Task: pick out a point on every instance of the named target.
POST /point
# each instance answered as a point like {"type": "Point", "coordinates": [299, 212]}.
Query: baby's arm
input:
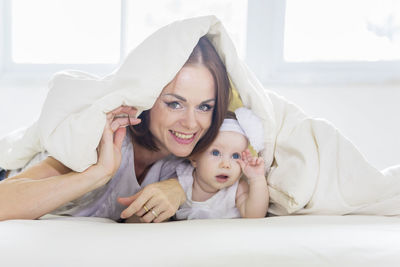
{"type": "Point", "coordinates": [252, 198]}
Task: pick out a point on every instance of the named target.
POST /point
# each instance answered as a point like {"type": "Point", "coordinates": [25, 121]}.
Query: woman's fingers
{"type": "Point", "coordinates": [130, 111]}
{"type": "Point", "coordinates": [119, 122]}
{"type": "Point", "coordinates": [122, 117]}
{"type": "Point", "coordinates": [126, 201]}
{"type": "Point", "coordinates": [109, 148]}
{"type": "Point", "coordinates": [156, 202]}
{"type": "Point", "coordinates": [119, 137]}
{"type": "Point", "coordinates": [162, 217]}
{"type": "Point", "coordinates": [137, 204]}
{"type": "Point", "coordinates": [156, 214]}
{"type": "Point", "coordinates": [150, 204]}
{"type": "Point", "coordinates": [151, 210]}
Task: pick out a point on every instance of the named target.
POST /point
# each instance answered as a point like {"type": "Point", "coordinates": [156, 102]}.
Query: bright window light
{"type": "Point", "coordinates": [65, 31]}
{"type": "Point", "coordinates": [342, 30]}
{"type": "Point", "coordinates": [143, 18]}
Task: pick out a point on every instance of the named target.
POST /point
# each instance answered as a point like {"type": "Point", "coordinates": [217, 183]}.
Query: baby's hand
{"type": "Point", "coordinates": [252, 167]}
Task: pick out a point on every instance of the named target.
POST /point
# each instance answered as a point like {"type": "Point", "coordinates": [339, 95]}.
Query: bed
{"type": "Point", "coordinates": [273, 241]}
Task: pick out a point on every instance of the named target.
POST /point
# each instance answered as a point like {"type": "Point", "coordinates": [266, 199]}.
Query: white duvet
{"type": "Point", "coordinates": [313, 168]}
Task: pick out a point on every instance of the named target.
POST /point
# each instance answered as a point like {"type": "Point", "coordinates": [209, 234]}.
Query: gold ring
{"type": "Point", "coordinates": [154, 213]}
{"type": "Point", "coordinates": [145, 208]}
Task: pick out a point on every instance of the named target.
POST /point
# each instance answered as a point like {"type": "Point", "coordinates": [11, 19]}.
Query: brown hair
{"type": "Point", "coordinates": [203, 54]}
{"type": "Point", "coordinates": [230, 115]}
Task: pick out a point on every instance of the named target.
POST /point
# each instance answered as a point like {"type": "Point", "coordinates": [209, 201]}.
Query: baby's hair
{"type": "Point", "coordinates": [230, 115]}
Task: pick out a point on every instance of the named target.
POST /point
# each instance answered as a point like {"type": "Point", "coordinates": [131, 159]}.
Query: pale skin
{"type": "Point", "coordinates": [252, 198]}
{"type": "Point", "coordinates": [49, 184]}
{"type": "Point", "coordinates": [222, 164]}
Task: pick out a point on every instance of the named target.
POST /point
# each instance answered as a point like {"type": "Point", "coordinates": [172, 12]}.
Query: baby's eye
{"type": "Point", "coordinates": [205, 107]}
{"type": "Point", "coordinates": [215, 152]}
{"type": "Point", "coordinates": [173, 105]}
{"type": "Point", "coordinates": [236, 156]}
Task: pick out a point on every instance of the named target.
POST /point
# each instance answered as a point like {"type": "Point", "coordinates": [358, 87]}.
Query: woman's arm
{"type": "Point", "coordinates": [49, 184]}
{"type": "Point", "coordinates": [43, 188]}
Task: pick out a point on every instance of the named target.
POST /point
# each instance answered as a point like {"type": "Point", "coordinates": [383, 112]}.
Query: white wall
{"type": "Point", "coordinates": [20, 104]}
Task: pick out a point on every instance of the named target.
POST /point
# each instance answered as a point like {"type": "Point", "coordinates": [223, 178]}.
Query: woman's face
{"type": "Point", "coordinates": [183, 112]}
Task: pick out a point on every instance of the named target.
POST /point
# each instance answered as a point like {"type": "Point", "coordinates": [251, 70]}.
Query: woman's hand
{"type": "Point", "coordinates": [156, 202]}
{"type": "Point", "coordinates": [109, 149]}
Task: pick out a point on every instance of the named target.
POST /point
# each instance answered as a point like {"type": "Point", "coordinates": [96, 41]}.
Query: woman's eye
{"type": "Point", "coordinates": [173, 105]}
{"type": "Point", "coordinates": [236, 156]}
{"type": "Point", "coordinates": [205, 107]}
{"type": "Point", "coordinates": [215, 153]}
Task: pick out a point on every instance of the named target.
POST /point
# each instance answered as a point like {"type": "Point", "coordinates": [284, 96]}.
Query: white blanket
{"type": "Point", "coordinates": [313, 168]}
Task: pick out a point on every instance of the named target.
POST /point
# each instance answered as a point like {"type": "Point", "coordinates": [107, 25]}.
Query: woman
{"type": "Point", "coordinates": [184, 119]}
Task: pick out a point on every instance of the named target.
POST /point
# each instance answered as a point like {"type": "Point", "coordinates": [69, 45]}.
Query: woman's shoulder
{"type": "Point", "coordinates": [166, 168]}
{"type": "Point", "coordinates": [172, 163]}
{"type": "Point", "coordinates": [184, 168]}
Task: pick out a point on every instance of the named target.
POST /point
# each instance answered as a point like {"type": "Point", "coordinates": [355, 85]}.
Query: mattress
{"type": "Point", "coordinates": [273, 241]}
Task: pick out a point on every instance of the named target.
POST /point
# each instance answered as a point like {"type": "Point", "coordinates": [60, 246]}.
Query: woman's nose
{"type": "Point", "coordinates": [189, 121]}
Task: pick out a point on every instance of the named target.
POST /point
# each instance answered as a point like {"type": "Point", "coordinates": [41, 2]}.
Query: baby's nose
{"type": "Point", "coordinates": [225, 163]}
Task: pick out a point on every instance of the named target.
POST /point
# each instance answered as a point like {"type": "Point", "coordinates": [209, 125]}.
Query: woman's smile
{"type": "Point", "coordinates": [183, 138]}
{"type": "Point", "coordinates": [183, 112]}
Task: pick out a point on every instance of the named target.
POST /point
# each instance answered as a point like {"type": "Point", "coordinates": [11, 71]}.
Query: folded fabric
{"type": "Point", "coordinates": [312, 167]}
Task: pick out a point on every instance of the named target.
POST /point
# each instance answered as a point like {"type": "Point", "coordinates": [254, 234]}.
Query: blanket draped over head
{"type": "Point", "coordinates": [312, 168]}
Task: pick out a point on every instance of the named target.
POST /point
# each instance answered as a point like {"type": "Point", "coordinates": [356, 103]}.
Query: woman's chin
{"type": "Point", "coordinates": [182, 152]}
{"type": "Point", "coordinates": [181, 148]}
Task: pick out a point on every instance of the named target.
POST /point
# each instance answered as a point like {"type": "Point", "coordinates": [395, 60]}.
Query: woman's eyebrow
{"type": "Point", "coordinates": [209, 100]}
{"type": "Point", "coordinates": [184, 99]}
{"type": "Point", "coordinates": [177, 96]}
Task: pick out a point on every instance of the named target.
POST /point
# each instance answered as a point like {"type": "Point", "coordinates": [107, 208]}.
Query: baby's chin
{"type": "Point", "coordinates": [225, 184]}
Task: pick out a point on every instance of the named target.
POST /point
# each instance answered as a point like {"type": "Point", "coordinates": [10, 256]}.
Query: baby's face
{"type": "Point", "coordinates": [217, 167]}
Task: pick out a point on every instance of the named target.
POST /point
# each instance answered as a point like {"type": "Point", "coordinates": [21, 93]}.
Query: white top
{"type": "Point", "coordinates": [220, 206]}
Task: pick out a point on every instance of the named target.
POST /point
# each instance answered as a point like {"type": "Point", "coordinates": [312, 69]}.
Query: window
{"type": "Point", "coordinates": [283, 41]}
{"type": "Point", "coordinates": [57, 32]}
{"type": "Point", "coordinates": [342, 30]}
{"type": "Point", "coordinates": [95, 35]}
{"type": "Point", "coordinates": [143, 18]}
{"type": "Point", "coordinates": [325, 41]}
{"type": "Point", "coordinates": [50, 35]}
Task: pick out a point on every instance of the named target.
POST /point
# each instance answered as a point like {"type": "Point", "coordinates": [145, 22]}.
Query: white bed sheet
{"type": "Point", "coordinates": [273, 241]}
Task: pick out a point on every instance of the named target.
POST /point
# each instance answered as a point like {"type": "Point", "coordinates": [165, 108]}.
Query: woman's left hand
{"type": "Point", "coordinates": [156, 202]}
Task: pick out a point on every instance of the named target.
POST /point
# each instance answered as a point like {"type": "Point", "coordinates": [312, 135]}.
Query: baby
{"type": "Point", "coordinates": [211, 179]}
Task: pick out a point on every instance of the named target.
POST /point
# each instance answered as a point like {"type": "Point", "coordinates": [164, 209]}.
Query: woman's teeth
{"type": "Point", "coordinates": [183, 136]}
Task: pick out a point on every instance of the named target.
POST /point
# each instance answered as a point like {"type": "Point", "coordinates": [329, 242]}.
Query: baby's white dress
{"type": "Point", "coordinates": [221, 205]}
